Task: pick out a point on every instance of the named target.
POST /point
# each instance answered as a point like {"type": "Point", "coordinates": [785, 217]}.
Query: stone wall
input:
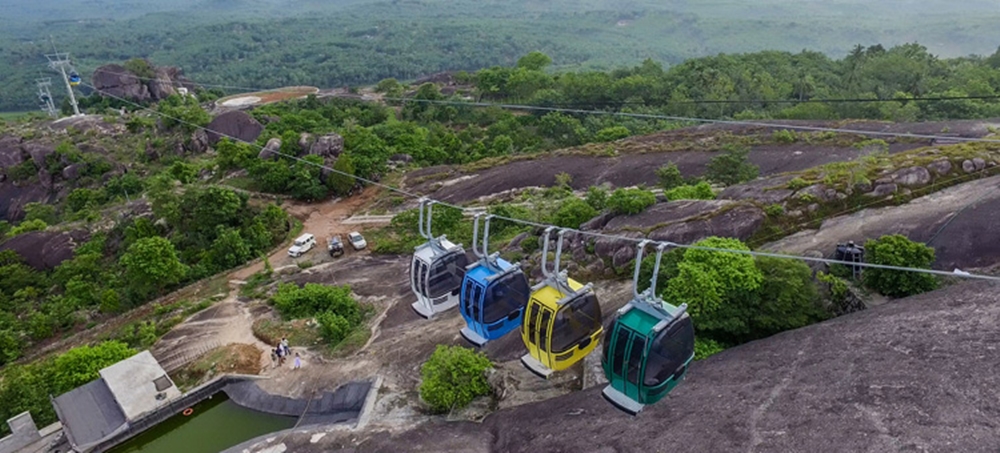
{"type": "Point", "coordinates": [24, 433]}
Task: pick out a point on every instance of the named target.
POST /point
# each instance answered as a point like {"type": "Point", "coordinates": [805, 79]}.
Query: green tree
{"type": "Point", "coordinates": [573, 213]}
{"type": "Point", "coordinates": [788, 298]}
{"type": "Point", "coordinates": [630, 201]}
{"type": "Point", "coordinates": [229, 249]}
{"type": "Point", "coordinates": [534, 61]}
{"type": "Point", "coordinates": [731, 167]}
{"type": "Point", "coordinates": [41, 211]}
{"type": "Point", "coordinates": [669, 176]}
{"type": "Point", "coordinates": [333, 327]}
{"type": "Point", "coordinates": [453, 377]}
{"type": "Point", "coordinates": [715, 285]}
{"type": "Point", "coordinates": [341, 181]}
{"type": "Point", "coordinates": [898, 250]}
{"type": "Point", "coordinates": [80, 365]}
{"type": "Point", "coordinates": [597, 197]}
{"type": "Point", "coordinates": [151, 264]}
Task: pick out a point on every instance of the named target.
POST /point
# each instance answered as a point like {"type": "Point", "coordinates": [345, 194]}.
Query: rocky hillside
{"type": "Point", "coordinates": [139, 81]}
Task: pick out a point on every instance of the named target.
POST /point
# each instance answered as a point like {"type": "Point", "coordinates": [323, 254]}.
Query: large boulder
{"type": "Point", "coordinates": [328, 146]}
{"type": "Point", "coordinates": [236, 124]}
{"type": "Point", "coordinates": [72, 171]}
{"type": "Point", "coordinates": [162, 86]}
{"type": "Point", "coordinates": [269, 152]}
{"type": "Point", "coordinates": [912, 176]}
{"type": "Point", "coordinates": [44, 250]}
{"type": "Point", "coordinates": [115, 80]}
{"type": "Point", "coordinates": [11, 154]}
{"type": "Point", "coordinates": [39, 153]}
{"type": "Point", "coordinates": [198, 142]}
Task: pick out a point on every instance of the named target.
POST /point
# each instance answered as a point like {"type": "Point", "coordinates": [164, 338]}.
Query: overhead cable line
{"type": "Point", "coordinates": [577, 231]}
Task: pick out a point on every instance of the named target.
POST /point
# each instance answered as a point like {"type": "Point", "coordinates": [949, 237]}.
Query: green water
{"type": "Point", "coordinates": [215, 425]}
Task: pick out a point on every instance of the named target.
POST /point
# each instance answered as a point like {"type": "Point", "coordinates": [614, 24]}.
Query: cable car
{"type": "Point", "coordinates": [648, 347]}
{"type": "Point", "coordinates": [494, 293]}
{"type": "Point", "coordinates": [562, 323]}
{"type": "Point", "coordinates": [437, 270]}
{"type": "Point", "coordinates": [74, 78]}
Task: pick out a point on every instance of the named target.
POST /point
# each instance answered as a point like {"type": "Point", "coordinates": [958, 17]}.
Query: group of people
{"type": "Point", "coordinates": [281, 351]}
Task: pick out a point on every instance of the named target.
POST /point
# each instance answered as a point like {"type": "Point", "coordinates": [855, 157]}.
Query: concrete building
{"type": "Point", "coordinates": [105, 407]}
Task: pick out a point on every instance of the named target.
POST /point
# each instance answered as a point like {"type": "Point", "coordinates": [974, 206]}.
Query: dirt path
{"type": "Point", "coordinates": [322, 220]}
{"type": "Point", "coordinates": [959, 222]}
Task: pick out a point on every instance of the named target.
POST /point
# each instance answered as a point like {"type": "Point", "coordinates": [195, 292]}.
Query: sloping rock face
{"type": "Point", "coordinates": [115, 80]}
{"type": "Point", "coordinates": [237, 124]}
{"type": "Point", "coordinates": [44, 250]}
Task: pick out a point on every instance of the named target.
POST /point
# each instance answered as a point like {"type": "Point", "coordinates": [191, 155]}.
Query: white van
{"type": "Point", "coordinates": [302, 245]}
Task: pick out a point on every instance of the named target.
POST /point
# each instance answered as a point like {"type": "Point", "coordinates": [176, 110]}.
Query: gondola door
{"type": "Point", "coordinates": [538, 322]}
{"type": "Point", "coordinates": [628, 360]}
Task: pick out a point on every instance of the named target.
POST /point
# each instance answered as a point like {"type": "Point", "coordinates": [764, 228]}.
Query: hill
{"type": "Point", "coordinates": [915, 374]}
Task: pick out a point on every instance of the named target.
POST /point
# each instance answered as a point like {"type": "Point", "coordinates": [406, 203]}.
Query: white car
{"type": "Point", "coordinates": [302, 245]}
{"type": "Point", "coordinates": [356, 240]}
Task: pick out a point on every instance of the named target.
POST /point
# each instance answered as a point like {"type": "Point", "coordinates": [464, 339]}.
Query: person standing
{"type": "Point", "coordinates": [284, 345]}
{"type": "Point", "coordinates": [298, 362]}
{"type": "Point", "coordinates": [281, 355]}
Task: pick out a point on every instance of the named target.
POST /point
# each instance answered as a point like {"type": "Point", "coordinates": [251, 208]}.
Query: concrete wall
{"type": "Point", "coordinates": [24, 433]}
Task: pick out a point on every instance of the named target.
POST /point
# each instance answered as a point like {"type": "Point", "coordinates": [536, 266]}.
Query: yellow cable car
{"type": "Point", "coordinates": [562, 323]}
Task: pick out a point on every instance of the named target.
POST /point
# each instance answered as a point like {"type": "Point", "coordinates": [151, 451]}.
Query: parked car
{"type": "Point", "coordinates": [335, 247]}
{"type": "Point", "coordinates": [302, 245]}
{"type": "Point", "coordinates": [357, 241]}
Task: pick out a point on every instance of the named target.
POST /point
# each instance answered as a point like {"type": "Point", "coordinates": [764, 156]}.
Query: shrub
{"type": "Point", "coordinates": [41, 211]}
{"type": "Point", "coordinates": [597, 197]}
{"type": "Point", "coordinates": [700, 191]}
{"type": "Point", "coordinates": [784, 136]}
{"type": "Point", "coordinates": [797, 183]}
{"type": "Point", "coordinates": [573, 213]}
{"type": "Point", "coordinates": [898, 250]}
{"type": "Point", "coordinates": [333, 327]}
{"type": "Point", "coordinates": [705, 347]}
{"type": "Point", "coordinates": [453, 377]}
{"type": "Point", "coordinates": [313, 299]}
{"type": "Point", "coordinates": [631, 201]}
{"type": "Point", "coordinates": [774, 210]}
{"type": "Point", "coordinates": [670, 176]}
{"type": "Point", "coordinates": [788, 298]}
{"type": "Point", "coordinates": [610, 134]}
{"type": "Point", "coordinates": [731, 167]}
{"type": "Point", "coordinates": [28, 225]}
{"type": "Point", "coordinates": [23, 171]}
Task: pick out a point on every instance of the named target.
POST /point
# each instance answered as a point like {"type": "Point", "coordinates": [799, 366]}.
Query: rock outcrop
{"type": "Point", "coordinates": [115, 80]}
{"type": "Point", "coordinates": [273, 146]}
{"type": "Point", "coordinates": [237, 124]}
{"type": "Point", "coordinates": [44, 250]}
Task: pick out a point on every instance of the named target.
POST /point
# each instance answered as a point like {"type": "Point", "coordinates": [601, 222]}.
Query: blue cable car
{"type": "Point", "coordinates": [74, 78]}
{"type": "Point", "coordinates": [437, 270]}
{"type": "Point", "coordinates": [494, 293]}
{"type": "Point", "coordinates": [649, 346]}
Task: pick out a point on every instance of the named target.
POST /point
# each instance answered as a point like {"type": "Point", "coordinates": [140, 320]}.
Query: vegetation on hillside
{"type": "Point", "coordinates": [452, 377]}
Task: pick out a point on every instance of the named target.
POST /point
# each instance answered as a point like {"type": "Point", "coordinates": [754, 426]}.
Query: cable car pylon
{"type": "Point", "coordinates": [649, 345]}
{"type": "Point", "coordinates": [494, 292]}
{"type": "Point", "coordinates": [437, 269]}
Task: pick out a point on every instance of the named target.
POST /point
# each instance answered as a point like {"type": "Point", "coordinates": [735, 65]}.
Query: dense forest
{"type": "Point", "coordinates": [269, 43]}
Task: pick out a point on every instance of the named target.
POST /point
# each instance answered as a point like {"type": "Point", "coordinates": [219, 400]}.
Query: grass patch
{"type": "Point", "coordinates": [300, 332]}
{"type": "Point", "coordinates": [229, 359]}
{"type": "Point", "coordinates": [352, 343]}
{"type": "Point", "coordinates": [242, 182]}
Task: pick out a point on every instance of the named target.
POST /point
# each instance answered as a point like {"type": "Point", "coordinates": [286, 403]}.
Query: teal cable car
{"type": "Point", "coordinates": [648, 347]}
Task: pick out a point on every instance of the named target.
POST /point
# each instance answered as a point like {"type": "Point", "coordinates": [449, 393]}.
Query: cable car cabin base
{"type": "Point", "coordinates": [473, 337]}
{"type": "Point", "coordinates": [536, 367]}
{"type": "Point", "coordinates": [619, 400]}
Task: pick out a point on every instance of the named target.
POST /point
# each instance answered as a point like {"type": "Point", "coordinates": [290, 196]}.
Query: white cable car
{"type": "Point", "coordinates": [437, 270]}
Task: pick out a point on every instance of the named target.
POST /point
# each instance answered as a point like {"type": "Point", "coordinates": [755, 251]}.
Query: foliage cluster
{"type": "Point", "coordinates": [452, 377]}
{"type": "Point", "coordinates": [336, 311]}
